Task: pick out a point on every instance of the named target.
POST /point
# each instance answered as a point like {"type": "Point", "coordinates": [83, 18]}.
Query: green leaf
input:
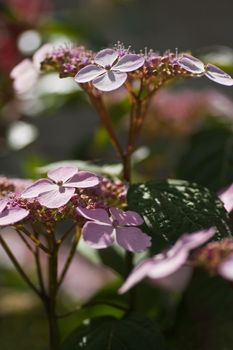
{"type": "Point", "coordinates": [173, 207]}
{"type": "Point", "coordinates": [134, 332]}
{"type": "Point", "coordinates": [209, 159]}
{"type": "Point", "coordinates": [107, 169]}
{"type": "Point", "coordinates": [204, 319]}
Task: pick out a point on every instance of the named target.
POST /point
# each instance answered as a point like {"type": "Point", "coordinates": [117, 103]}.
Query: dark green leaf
{"type": "Point", "coordinates": [173, 207]}
{"type": "Point", "coordinates": [209, 159]}
{"type": "Point", "coordinates": [205, 318]}
{"type": "Point", "coordinates": [134, 332]}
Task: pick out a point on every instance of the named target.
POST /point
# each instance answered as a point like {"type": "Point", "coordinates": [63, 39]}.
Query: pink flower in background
{"type": "Point", "coordinates": [26, 73]}
{"type": "Point", "coordinates": [196, 66]}
{"type": "Point", "coordinates": [166, 264]}
{"type": "Point", "coordinates": [10, 215]}
{"type": "Point", "coordinates": [102, 230]}
{"type": "Point", "coordinates": [109, 71]}
{"type": "Point", "coordinates": [225, 269]}
{"type": "Point", "coordinates": [60, 187]}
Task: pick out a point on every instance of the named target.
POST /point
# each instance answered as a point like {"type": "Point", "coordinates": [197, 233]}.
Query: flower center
{"type": "Point", "coordinates": [60, 183]}
{"type": "Point", "coordinates": [108, 67]}
{"type": "Point", "coordinates": [115, 223]}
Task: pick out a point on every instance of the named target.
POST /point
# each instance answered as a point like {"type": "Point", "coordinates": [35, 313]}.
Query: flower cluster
{"type": "Point", "coordinates": [109, 69]}
{"type": "Point", "coordinates": [216, 258]}
{"type": "Point", "coordinates": [69, 193]}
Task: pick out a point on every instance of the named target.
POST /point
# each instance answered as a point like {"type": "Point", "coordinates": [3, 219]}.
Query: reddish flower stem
{"type": "Point", "coordinates": [98, 104]}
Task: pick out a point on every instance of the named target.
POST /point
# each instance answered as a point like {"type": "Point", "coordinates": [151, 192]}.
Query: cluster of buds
{"type": "Point", "coordinates": [213, 255]}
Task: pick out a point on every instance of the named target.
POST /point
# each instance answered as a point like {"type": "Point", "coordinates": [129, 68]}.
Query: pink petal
{"type": "Point", "coordinates": [106, 57]}
{"type": "Point", "coordinates": [194, 240]}
{"type": "Point", "coordinates": [177, 281]}
{"type": "Point", "coordinates": [226, 268]}
{"type": "Point", "coordinates": [97, 235]}
{"type": "Point", "coordinates": [218, 75]}
{"type": "Point", "coordinates": [38, 187]}
{"type": "Point", "coordinates": [25, 76]}
{"type": "Point", "coordinates": [99, 215]}
{"type": "Point", "coordinates": [110, 81]}
{"type": "Point", "coordinates": [88, 73]}
{"type": "Point", "coordinates": [169, 264]}
{"type": "Point", "coordinates": [62, 173]}
{"type": "Point", "coordinates": [130, 218]}
{"type": "Point", "coordinates": [132, 239]}
{"type": "Point", "coordinates": [40, 55]}
{"type": "Point", "coordinates": [11, 216]}
{"type": "Point", "coordinates": [3, 204]}
{"type": "Point", "coordinates": [56, 198]}
{"type": "Point", "coordinates": [129, 63]}
{"type": "Point", "coordinates": [227, 198]}
{"type": "Point", "coordinates": [21, 68]}
{"type": "Point", "coordinates": [137, 275]}
{"type": "Point", "coordinates": [191, 64]}
{"type": "Point", "coordinates": [83, 179]}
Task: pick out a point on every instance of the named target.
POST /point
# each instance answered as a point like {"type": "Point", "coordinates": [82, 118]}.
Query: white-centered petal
{"type": "Point", "coordinates": [191, 64]}
{"type": "Point", "coordinates": [88, 73]}
{"type": "Point", "coordinates": [11, 216]}
{"type": "Point", "coordinates": [130, 218]}
{"type": "Point", "coordinates": [56, 198]}
{"type": "Point", "coordinates": [129, 63]}
{"type": "Point", "coordinates": [62, 173]}
{"type": "Point", "coordinates": [110, 81]}
{"type": "Point", "coordinates": [97, 214]}
{"type": "Point", "coordinates": [83, 179]}
{"type": "Point", "coordinates": [98, 236]}
{"type": "Point", "coordinates": [218, 76]}
{"type": "Point", "coordinates": [106, 57]}
{"type": "Point", "coordinates": [132, 239]}
{"type": "Point", "coordinates": [38, 187]}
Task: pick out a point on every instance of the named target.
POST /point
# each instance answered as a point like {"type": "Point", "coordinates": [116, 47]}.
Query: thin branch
{"type": "Point", "coordinates": [25, 242]}
{"type": "Point", "coordinates": [39, 271]}
{"type": "Point", "coordinates": [106, 120]}
{"type": "Point", "coordinates": [35, 240]}
{"type": "Point", "coordinates": [18, 267]}
{"type": "Point", "coordinates": [70, 256]}
{"type": "Point", "coordinates": [66, 234]}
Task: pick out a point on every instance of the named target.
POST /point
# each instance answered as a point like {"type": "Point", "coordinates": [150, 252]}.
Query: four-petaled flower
{"type": "Point", "coordinates": [109, 71]}
{"type": "Point", "coordinates": [60, 187]}
{"type": "Point", "coordinates": [165, 264]}
{"type": "Point", "coordinates": [100, 231]}
{"type": "Point", "coordinates": [10, 215]}
{"type": "Point", "coordinates": [196, 66]}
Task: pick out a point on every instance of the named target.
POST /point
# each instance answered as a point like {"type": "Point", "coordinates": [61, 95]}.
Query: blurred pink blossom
{"type": "Point", "coordinates": [165, 264]}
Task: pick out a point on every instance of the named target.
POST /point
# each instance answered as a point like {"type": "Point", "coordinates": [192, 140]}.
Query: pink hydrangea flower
{"type": "Point", "coordinates": [165, 264]}
{"type": "Point", "coordinates": [109, 71]}
{"type": "Point", "coordinates": [102, 229]}
{"type": "Point", "coordinates": [26, 73]}
{"type": "Point", "coordinates": [10, 215]}
{"type": "Point", "coordinates": [60, 187]}
{"type": "Point", "coordinates": [196, 66]}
